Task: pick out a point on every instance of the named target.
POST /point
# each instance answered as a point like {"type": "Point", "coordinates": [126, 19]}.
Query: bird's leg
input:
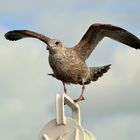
{"type": "Point", "coordinates": [81, 97]}
{"type": "Point", "coordinates": [65, 90]}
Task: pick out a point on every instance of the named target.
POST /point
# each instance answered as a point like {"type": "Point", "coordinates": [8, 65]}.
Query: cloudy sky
{"type": "Point", "coordinates": [27, 100]}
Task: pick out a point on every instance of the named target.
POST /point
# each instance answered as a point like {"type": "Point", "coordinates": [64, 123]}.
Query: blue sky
{"type": "Point", "coordinates": [27, 100]}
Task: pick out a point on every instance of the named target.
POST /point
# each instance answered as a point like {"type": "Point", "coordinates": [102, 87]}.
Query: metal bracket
{"type": "Point", "coordinates": [61, 100]}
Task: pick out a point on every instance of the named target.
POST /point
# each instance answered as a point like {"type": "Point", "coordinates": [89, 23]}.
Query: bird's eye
{"type": "Point", "coordinates": [57, 42]}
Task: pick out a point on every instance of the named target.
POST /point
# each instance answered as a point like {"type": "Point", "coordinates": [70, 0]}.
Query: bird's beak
{"type": "Point", "coordinates": [47, 48]}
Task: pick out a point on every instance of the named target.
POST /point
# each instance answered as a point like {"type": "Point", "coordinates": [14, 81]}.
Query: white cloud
{"type": "Point", "coordinates": [113, 101]}
{"type": "Point", "coordinates": [119, 84]}
{"type": "Point", "coordinates": [24, 87]}
{"type": "Point", "coordinates": [123, 127]}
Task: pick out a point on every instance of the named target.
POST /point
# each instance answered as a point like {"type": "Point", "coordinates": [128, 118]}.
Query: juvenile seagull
{"type": "Point", "coordinates": [68, 64]}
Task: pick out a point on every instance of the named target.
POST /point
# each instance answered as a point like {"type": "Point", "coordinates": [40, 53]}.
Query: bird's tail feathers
{"type": "Point", "coordinates": [97, 72]}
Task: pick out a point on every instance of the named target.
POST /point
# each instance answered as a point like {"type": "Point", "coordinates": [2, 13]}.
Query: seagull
{"type": "Point", "coordinates": [68, 64]}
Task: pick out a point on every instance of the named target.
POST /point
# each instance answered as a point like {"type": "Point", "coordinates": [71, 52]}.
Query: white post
{"type": "Point", "coordinates": [65, 128]}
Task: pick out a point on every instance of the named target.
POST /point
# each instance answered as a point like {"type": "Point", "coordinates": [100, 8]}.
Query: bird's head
{"type": "Point", "coordinates": [54, 45]}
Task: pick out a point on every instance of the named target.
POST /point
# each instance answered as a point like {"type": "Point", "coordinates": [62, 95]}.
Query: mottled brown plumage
{"type": "Point", "coordinates": [68, 64]}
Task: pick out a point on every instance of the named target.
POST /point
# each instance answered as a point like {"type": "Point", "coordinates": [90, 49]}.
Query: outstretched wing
{"type": "Point", "coordinates": [97, 32]}
{"type": "Point", "coordinates": [19, 34]}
